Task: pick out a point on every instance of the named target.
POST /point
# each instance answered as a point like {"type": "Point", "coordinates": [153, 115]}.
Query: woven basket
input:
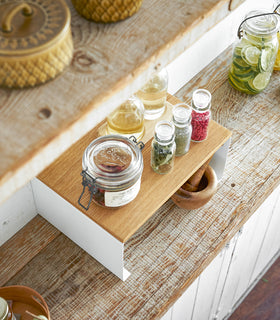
{"type": "Point", "coordinates": [107, 11]}
{"type": "Point", "coordinates": [25, 299]}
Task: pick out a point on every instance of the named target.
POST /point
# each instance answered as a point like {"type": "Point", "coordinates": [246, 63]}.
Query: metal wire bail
{"type": "Point", "coordinates": [240, 30]}
{"type": "Point", "coordinates": [140, 144]}
{"type": "Point", "coordinates": [89, 182]}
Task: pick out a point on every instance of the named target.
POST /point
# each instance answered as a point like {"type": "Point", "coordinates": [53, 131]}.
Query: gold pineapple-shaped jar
{"type": "Point", "coordinates": [106, 10]}
{"type": "Point", "coordinates": [35, 41]}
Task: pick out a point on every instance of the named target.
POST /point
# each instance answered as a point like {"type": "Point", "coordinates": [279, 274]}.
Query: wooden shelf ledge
{"type": "Point", "coordinates": [110, 63]}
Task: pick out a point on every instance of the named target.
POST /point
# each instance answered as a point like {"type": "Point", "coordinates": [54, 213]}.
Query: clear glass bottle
{"type": "Point", "coordinates": [255, 53]}
{"type": "Point", "coordinates": [127, 119]}
{"type": "Point", "coordinates": [112, 170]}
{"type": "Point", "coordinates": [183, 128]}
{"type": "Point", "coordinates": [201, 114]}
{"type": "Point", "coordinates": [163, 147]}
{"type": "Point", "coordinates": [153, 95]}
{"type": "Point", "coordinates": [5, 311]}
{"type": "Point", "coordinates": [277, 61]}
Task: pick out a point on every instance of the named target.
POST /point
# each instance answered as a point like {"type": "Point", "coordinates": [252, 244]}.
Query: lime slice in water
{"type": "Point", "coordinates": [251, 55]}
{"type": "Point", "coordinates": [266, 56]}
{"type": "Point", "coordinates": [261, 81]}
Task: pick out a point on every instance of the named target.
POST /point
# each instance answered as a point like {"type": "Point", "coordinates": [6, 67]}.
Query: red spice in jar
{"type": "Point", "coordinates": [201, 104]}
{"type": "Point", "coordinates": [200, 123]}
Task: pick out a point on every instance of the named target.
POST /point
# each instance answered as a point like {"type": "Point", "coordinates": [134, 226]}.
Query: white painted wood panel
{"type": "Point", "coordinates": [213, 296]}
{"type": "Point", "coordinates": [270, 209]}
{"type": "Point", "coordinates": [87, 234]}
{"type": "Point", "coordinates": [241, 267]}
{"type": "Point", "coordinates": [275, 242]}
{"type": "Point", "coordinates": [183, 308]}
{"type": "Point", "coordinates": [215, 309]}
{"type": "Point", "coordinates": [245, 264]}
{"type": "Point", "coordinates": [18, 210]}
{"type": "Point", "coordinates": [207, 287]}
{"type": "Point", "coordinates": [168, 315]}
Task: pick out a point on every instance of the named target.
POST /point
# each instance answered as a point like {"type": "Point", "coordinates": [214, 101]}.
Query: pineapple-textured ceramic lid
{"type": "Point", "coordinates": [35, 41]}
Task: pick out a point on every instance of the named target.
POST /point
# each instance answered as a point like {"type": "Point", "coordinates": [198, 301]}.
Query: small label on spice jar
{"type": "Point", "coordinates": [120, 198]}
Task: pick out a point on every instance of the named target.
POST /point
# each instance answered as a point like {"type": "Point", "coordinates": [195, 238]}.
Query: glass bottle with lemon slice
{"type": "Point", "coordinates": [254, 55]}
{"type": "Point", "coordinates": [277, 61]}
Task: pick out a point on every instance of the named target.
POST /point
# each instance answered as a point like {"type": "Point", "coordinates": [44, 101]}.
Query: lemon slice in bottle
{"type": "Point", "coordinates": [261, 81]}
{"type": "Point", "coordinates": [251, 55]}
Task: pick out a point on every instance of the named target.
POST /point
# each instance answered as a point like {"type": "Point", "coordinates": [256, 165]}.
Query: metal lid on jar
{"type": "Point", "coordinates": [113, 160]}
{"type": "Point", "coordinates": [261, 25]}
{"type": "Point", "coordinates": [182, 113]}
{"type": "Point", "coordinates": [4, 309]}
{"type": "Point", "coordinates": [164, 131]}
{"type": "Point", "coordinates": [201, 100]}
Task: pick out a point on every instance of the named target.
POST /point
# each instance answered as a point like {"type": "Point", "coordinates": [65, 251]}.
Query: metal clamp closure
{"type": "Point", "coordinates": [240, 31]}
{"type": "Point", "coordinates": [89, 182]}
{"type": "Point", "coordinates": [140, 144]}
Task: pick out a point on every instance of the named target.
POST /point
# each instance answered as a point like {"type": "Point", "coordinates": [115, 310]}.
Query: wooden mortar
{"type": "Point", "coordinates": [192, 184]}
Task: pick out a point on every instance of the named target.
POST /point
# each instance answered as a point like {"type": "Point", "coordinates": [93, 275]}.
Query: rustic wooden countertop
{"type": "Point", "coordinates": [173, 247]}
{"type": "Point", "coordinates": [111, 62]}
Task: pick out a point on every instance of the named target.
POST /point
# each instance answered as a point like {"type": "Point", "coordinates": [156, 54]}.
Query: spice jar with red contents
{"type": "Point", "coordinates": [201, 114]}
{"type": "Point", "coordinates": [112, 170]}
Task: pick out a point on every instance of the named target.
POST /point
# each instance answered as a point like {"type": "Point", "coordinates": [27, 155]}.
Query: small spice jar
{"type": "Point", "coordinates": [201, 114]}
{"type": "Point", "coordinates": [183, 128]}
{"type": "Point", "coordinates": [255, 53]}
{"type": "Point", "coordinates": [127, 119]}
{"type": "Point", "coordinates": [5, 311]}
{"type": "Point", "coordinates": [163, 147]}
{"type": "Point", "coordinates": [112, 170]}
{"type": "Point", "coordinates": [153, 95]}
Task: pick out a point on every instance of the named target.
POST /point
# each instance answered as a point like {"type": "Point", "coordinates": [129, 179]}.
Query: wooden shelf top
{"type": "Point", "coordinates": [174, 246]}
{"type": "Point", "coordinates": [63, 177]}
{"type": "Point", "coordinates": [111, 61]}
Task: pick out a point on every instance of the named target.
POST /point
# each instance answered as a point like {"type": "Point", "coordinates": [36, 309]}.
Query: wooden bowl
{"type": "Point", "coordinates": [193, 200]}
{"type": "Point", "coordinates": [25, 299]}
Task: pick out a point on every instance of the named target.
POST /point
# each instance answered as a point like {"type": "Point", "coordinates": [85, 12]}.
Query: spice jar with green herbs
{"type": "Point", "coordinates": [163, 147]}
{"type": "Point", "coordinates": [183, 128]}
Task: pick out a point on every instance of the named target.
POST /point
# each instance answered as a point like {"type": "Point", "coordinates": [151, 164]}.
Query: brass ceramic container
{"type": "Point", "coordinates": [35, 41]}
{"type": "Point", "coordinates": [107, 10]}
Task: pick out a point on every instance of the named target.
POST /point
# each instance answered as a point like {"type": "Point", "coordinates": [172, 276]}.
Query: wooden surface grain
{"type": "Point", "coordinates": [24, 245]}
{"type": "Point", "coordinates": [173, 247]}
{"type": "Point", "coordinates": [111, 62]}
{"type": "Point", "coordinates": [63, 176]}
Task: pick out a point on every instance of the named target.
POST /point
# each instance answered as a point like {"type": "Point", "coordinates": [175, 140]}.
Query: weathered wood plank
{"type": "Point", "coordinates": [173, 247]}
{"type": "Point", "coordinates": [111, 61]}
{"type": "Point", "coordinates": [24, 245]}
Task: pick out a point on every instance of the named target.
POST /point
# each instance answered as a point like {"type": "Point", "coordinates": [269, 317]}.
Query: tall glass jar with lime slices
{"type": "Point", "coordinates": [254, 55]}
